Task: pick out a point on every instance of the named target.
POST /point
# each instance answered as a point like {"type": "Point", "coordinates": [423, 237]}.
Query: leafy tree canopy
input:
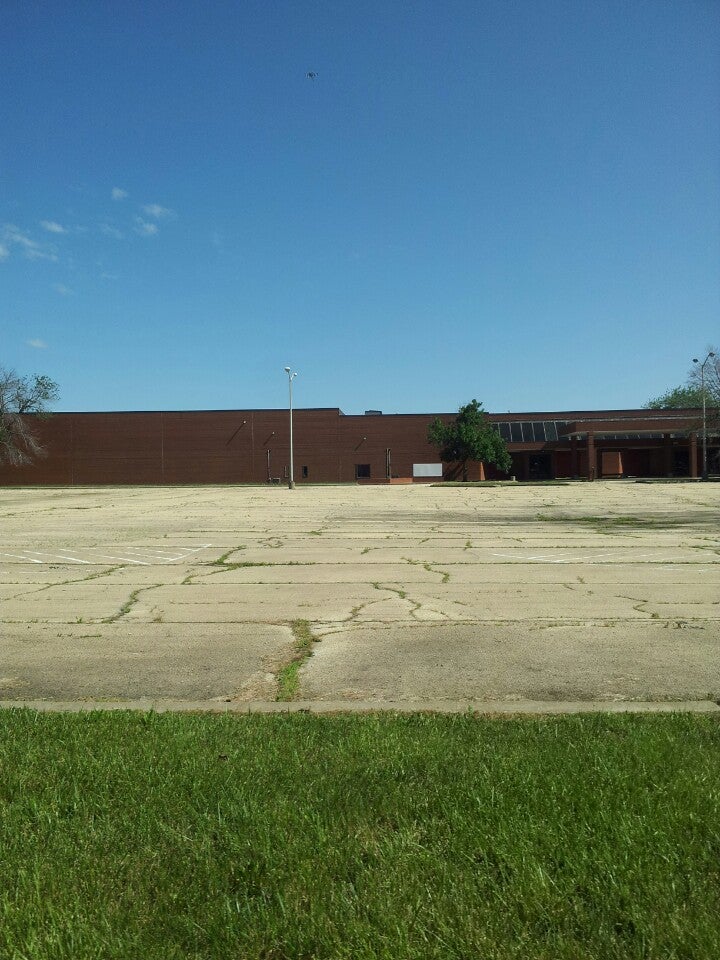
{"type": "Point", "coordinates": [703, 379]}
{"type": "Point", "coordinates": [469, 437]}
{"type": "Point", "coordinates": [687, 396]}
{"type": "Point", "coordinates": [20, 396]}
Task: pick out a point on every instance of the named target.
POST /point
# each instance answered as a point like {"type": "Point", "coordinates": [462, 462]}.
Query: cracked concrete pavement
{"type": "Point", "coordinates": [583, 592]}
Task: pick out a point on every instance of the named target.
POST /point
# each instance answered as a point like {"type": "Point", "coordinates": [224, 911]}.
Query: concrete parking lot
{"type": "Point", "coordinates": [607, 591]}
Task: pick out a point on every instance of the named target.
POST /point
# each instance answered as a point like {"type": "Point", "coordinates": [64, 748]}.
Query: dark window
{"type": "Point", "coordinates": [516, 432]}
{"type": "Point", "coordinates": [551, 430]}
{"type": "Point", "coordinates": [305, 473]}
{"type": "Point", "coordinates": [362, 471]}
{"type": "Point", "coordinates": [539, 432]}
{"type": "Point", "coordinates": [527, 432]}
{"type": "Point", "coordinates": [504, 430]}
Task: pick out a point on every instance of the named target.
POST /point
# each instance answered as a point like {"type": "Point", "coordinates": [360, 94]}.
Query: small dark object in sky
{"type": "Point", "coordinates": [311, 75]}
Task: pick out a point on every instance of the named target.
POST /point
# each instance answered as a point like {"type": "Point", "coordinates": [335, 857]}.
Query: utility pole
{"type": "Point", "coordinates": [291, 377]}
{"type": "Point", "coordinates": [704, 408]}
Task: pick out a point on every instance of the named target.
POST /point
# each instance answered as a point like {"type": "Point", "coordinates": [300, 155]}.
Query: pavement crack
{"type": "Point", "coordinates": [193, 578]}
{"type": "Point", "coordinates": [288, 676]}
{"type": "Point", "coordinates": [445, 574]}
{"type": "Point", "coordinates": [397, 590]}
{"type": "Point", "coordinates": [222, 560]}
{"type": "Point", "coordinates": [129, 603]}
{"type": "Point", "coordinates": [64, 583]}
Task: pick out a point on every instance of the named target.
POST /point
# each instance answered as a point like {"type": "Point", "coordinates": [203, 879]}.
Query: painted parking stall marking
{"type": "Point", "coordinates": [142, 556]}
{"type": "Point", "coordinates": [613, 558]}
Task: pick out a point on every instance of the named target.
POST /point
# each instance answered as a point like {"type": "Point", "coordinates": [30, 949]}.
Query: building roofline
{"type": "Point", "coordinates": [103, 413]}
{"type": "Point", "coordinates": [645, 413]}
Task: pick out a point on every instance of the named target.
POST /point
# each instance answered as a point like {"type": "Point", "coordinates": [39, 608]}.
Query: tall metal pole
{"type": "Point", "coordinates": [704, 409]}
{"type": "Point", "coordinates": [702, 388]}
{"type": "Point", "coordinates": [291, 377]}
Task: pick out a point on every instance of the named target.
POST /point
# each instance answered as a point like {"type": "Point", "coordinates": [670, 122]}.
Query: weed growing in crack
{"type": "Point", "coordinates": [222, 561]}
{"type": "Point", "coordinates": [129, 603]}
{"type": "Point", "coordinates": [288, 677]}
{"type": "Point", "coordinates": [401, 593]}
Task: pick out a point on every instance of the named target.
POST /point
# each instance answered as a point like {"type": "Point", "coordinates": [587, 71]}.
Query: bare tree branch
{"type": "Point", "coordinates": [22, 401]}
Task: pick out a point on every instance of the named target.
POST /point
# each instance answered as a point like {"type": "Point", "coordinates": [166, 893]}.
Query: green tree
{"type": "Point", "coordinates": [23, 400]}
{"type": "Point", "coordinates": [469, 437]}
{"type": "Point", "coordinates": [688, 396]}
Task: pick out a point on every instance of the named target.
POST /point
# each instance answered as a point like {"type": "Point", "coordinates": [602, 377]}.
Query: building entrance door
{"type": "Point", "coordinates": [540, 466]}
{"type": "Point", "coordinates": [681, 463]}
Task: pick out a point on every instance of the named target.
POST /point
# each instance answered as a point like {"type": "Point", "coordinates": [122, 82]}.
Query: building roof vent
{"type": "Point", "coordinates": [373, 413]}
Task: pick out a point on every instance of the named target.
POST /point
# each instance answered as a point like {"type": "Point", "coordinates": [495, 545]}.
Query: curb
{"type": "Point", "coordinates": [481, 707]}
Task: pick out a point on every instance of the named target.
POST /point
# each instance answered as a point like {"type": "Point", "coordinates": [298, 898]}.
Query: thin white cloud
{"type": "Point", "coordinates": [156, 211]}
{"type": "Point", "coordinates": [144, 228]}
{"type": "Point", "coordinates": [35, 253]}
{"type": "Point", "coordinates": [12, 236]}
{"type": "Point", "coordinates": [37, 343]}
{"type": "Point", "coordinates": [63, 290]}
{"type": "Point", "coordinates": [4, 252]}
{"type": "Point", "coordinates": [52, 226]}
{"type": "Point", "coordinates": [109, 231]}
{"type": "Point", "coordinates": [118, 194]}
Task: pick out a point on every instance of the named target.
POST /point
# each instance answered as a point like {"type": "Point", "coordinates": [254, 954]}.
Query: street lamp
{"type": "Point", "coordinates": [291, 377]}
{"type": "Point", "coordinates": [702, 390]}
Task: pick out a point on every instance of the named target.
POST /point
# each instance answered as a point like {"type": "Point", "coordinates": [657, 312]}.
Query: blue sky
{"type": "Point", "coordinates": [514, 200]}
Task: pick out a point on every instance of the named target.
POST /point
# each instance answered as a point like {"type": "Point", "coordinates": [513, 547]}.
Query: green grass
{"type": "Point", "coordinates": [294, 836]}
{"type": "Point", "coordinates": [289, 676]}
{"type": "Point", "coordinates": [222, 561]}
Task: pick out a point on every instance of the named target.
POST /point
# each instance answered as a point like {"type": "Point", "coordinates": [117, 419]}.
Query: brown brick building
{"type": "Point", "coordinates": [252, 446]}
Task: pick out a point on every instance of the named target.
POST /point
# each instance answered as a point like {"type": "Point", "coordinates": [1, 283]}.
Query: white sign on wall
{"type": "Point", "coordinates": [427, 470]}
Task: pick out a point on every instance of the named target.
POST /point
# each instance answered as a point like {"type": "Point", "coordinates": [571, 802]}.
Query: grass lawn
{"type": "Point", "coordinates": [150, 836]}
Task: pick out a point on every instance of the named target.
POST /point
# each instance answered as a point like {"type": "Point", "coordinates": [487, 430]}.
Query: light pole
{"type": "Point", "coordinates": [291, 377]}
{"type": "Point", "coordinates": [704, 401]}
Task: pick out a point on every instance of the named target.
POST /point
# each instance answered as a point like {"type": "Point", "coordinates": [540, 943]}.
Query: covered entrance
{"type": "Point", "coordinates": [540, 466]}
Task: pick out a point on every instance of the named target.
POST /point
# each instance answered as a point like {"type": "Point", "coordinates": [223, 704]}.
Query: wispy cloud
{"type": "Point", "coordinates": [4, 252]}
{"type": "Point", "coordinates": [155, 210]}
{"type": "Point", "coordinates": [118, 193]}
{"type": "Point", "coordinates": [109, 231]}
{"type": "Point", "coordinates": [63, 290]}
{"type": "Point", "coordinates": [37, 343]}
{"type": "Point", "coordinates": [52, 226]}
{"type": "Point", "coordinates": [144, 228]}
{"type": "Point", "coordinates": [11, 236]}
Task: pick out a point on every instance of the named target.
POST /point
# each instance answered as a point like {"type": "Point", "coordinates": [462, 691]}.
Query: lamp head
{"type": "Point", "coordinates": [287, 369]}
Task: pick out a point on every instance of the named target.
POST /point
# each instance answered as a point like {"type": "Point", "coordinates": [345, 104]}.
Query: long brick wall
{"type": "Point", "coordinates": [250, 446]}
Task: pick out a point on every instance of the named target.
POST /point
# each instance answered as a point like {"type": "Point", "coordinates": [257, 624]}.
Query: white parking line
{"type": "Point", "coordinates": [56, 556]}
{"type": "Point", "coordinates": [108, 556]}
{"type": "Point", "coordinates": [142, 556]}
{"type": "Point", "coordinates": [596, 558]}
{"type": "Point", "coordinates": [148, 555]}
